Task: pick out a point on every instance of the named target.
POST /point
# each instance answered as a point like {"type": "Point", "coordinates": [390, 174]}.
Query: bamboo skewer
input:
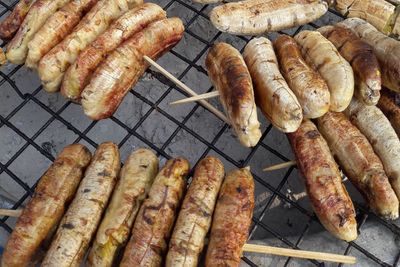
{"type": "Point", "coordinates": [304, 254]}
{"type": "Point", "coordinates": [10, 213]}
{"type": "Point", "coordinates": [281, 166]}
{"type": "Point", "coordinates": [185, 88]}
{"type": "Point", "coordinates": [196, 98]}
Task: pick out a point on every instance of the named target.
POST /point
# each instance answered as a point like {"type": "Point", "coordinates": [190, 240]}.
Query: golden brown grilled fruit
{"type": "Point", "coordinates": [363, 60]}
{"type": "Point", "coordinates": [80, 222]}
{"type": "Point", "coordinates": [40, 11]}
{"type": "Point", "coordinates": [229, 75]}
{"type": "Point", "coordinates": [195, 215]}
{"type": "Point", "coordinates": [55, 190]}
{"type": "Point", "coordinates": [122, 68]}
{"type": "Point", "coordinates": [322, 55]}
{"type": "Point", "coordinates": [273, 95]}
{"type": "Point", "coordinates": [380, 133]}
{"type": "Point", "coordinates": [55, 29]}
{"type": "Point", "coordinates": [308, 86]}
{"type": "Point", "coordinates": [153, 225]}
{"type": "Point", "coordinates": [231, 220]}
{"type": "Point", "coordinates": [79, 73]}
{"type": "Point", "coordinates": [252, 17]}
{"type": "Point", "coordinates": [379, 13]}
{"type": "Point", "coordinates": [10, 25]}
{"type": "Point", "coordinates": [55, 63]}
{"type": "Point", "coordinates": [386, 49]}
{"type": "Point", "coordinates": [323, 182]}
{"type": "Point", "coordinates": [134, 182]}
{"type": "Point", "coordinates": [360, 163]}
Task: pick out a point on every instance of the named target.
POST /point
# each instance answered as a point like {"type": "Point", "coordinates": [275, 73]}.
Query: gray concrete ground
{"type": "Point", "coordinates": [51, 123]}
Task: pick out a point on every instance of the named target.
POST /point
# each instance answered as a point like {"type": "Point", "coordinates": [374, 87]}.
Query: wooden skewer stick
{"type": "Point", "coordinates": [281, 166]}
{"type": "Point", "coordinates": [304, 254]}
{"type": "Point", "coordinates": [196, 98]}
{"type": "Point", "coordinates": [10, 213]}
{"type": "Point", "coordinates": [181, 85]}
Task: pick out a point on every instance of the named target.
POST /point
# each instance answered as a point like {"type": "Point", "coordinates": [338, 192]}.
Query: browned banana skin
{"type": "Point", "coordinates": [230, 76]}
{"type": "Point", "coordinates": [80, 221]}
{"type": "Point", "coordinates": [79, 73]}
{"type": "Point", "coordinates": [232, 220]}
{"type": "Point", "coordinates": [389, 103]}
{"type": "Point", "coordinates": [152, 228]}
{"type": "Point", "coordinates": [362, 58]}
{"type": "Point", "coordinates": [122, 68]}
{"type": "Point", "coordinates": [10, 25]}
{"type": "Point", "coordinates": [55, 29]}
{"type": "Point", "coordinates": [55, 190]}
{"type": "Point", "coordinates": [308, 86]}
{"type": "Point", "coordinates": [195, 216]}
{"type": "Point", "coordinates": [323, 182]}
{"type": "Point", "coordinates": [360, 163]}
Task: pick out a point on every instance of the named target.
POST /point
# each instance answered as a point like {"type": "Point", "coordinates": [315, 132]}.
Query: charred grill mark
{"type": "Point", "coordinates": [157, 249]}
{"type": "Point", "coordinates": [312, 134]}
{"type": "Point", "coordinates": [343, 218]}
{"type": "Point", "coordinates": [147, 218]}
{"type": "Point", "coordinates": [68, 226]}
{"type": "Point", "coordinates": [168, 171]}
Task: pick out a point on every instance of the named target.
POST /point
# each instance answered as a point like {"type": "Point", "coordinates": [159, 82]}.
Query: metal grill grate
{"type": "Point", "coordinates": [34, 126]}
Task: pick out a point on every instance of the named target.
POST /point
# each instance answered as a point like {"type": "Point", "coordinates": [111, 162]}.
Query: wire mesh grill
{"type": "Point", "coordinates": [34, 126]}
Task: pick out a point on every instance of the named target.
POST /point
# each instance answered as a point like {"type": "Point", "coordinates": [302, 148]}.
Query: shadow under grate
{"type": "Point", "coordinates": [36, 126]}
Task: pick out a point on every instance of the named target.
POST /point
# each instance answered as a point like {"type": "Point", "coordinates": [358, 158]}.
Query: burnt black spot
{"type": "Point", "coordinates": [205, 213]}
{"type": "Point", "coordinates": [68, 226]}
{"type": "Point", "coordinates": [86, 190]}
{"type": "Point", "coordinates": [148, 220]}
{"type": "Point", "coordinates": [157, 249]}
{"type": "Point", "coordinates": [312, 134]}
{"type": "Point", "coordinates": [239, 189]}
{"type": "Point", "coordinates": [342, 218]}
{"type": "Point", "coordinates": [146, 217]}
{"type": "Point", "coordinates": [104, 173]}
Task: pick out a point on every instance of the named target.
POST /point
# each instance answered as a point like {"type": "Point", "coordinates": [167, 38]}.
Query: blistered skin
{"type": "Point", "coordinates": [379, 13]}
{"type": "Point", "coordinates": [39, 12]}
{"type": "Point", "coordinates": [55, 29]}
{"type": "Point", "coordinates": [328, 196]}
{"type": "Point", "coordinates": [273, 95]}
{"type": "Point", "coordinates": [122, 68]}
{"type": "Point", "coordinates": [363, 60]}
{"type": "Point", "coordinates": [322, 55]}
{"type": "Point", "coordinates": [253, 17]}
{"type": "Point", "coordinates": [134, 182]}
{"type": "Point", "coordinates": [79, 73]}
{"type": "Point", "coordinates": [55, 190]}
{"type": "Point", "coordinates": [229, 75]}
{"type": "Point", "coordinates": [80, 222]}
{"type": "Point", "coordinates": [386, 49]}
{"type": "Point", "coordinates": [150, 234]}
{"type": "Point", "coordinates": [10, 25]}
{"type": "Point", "coordinates": [389, 103]}
{"type": "Point", "coordinates": [360, 163]}
{"type": "Point", "coordinates": [194, 220]}
{"type": "Point", "coordinates": [308, 86]}
{"type": "Point", "coordinates": [231, 220]}
{"type": "Point", "coordinates": [54, 64]}
{"type": "Point", "coordinates": [380, 133]}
